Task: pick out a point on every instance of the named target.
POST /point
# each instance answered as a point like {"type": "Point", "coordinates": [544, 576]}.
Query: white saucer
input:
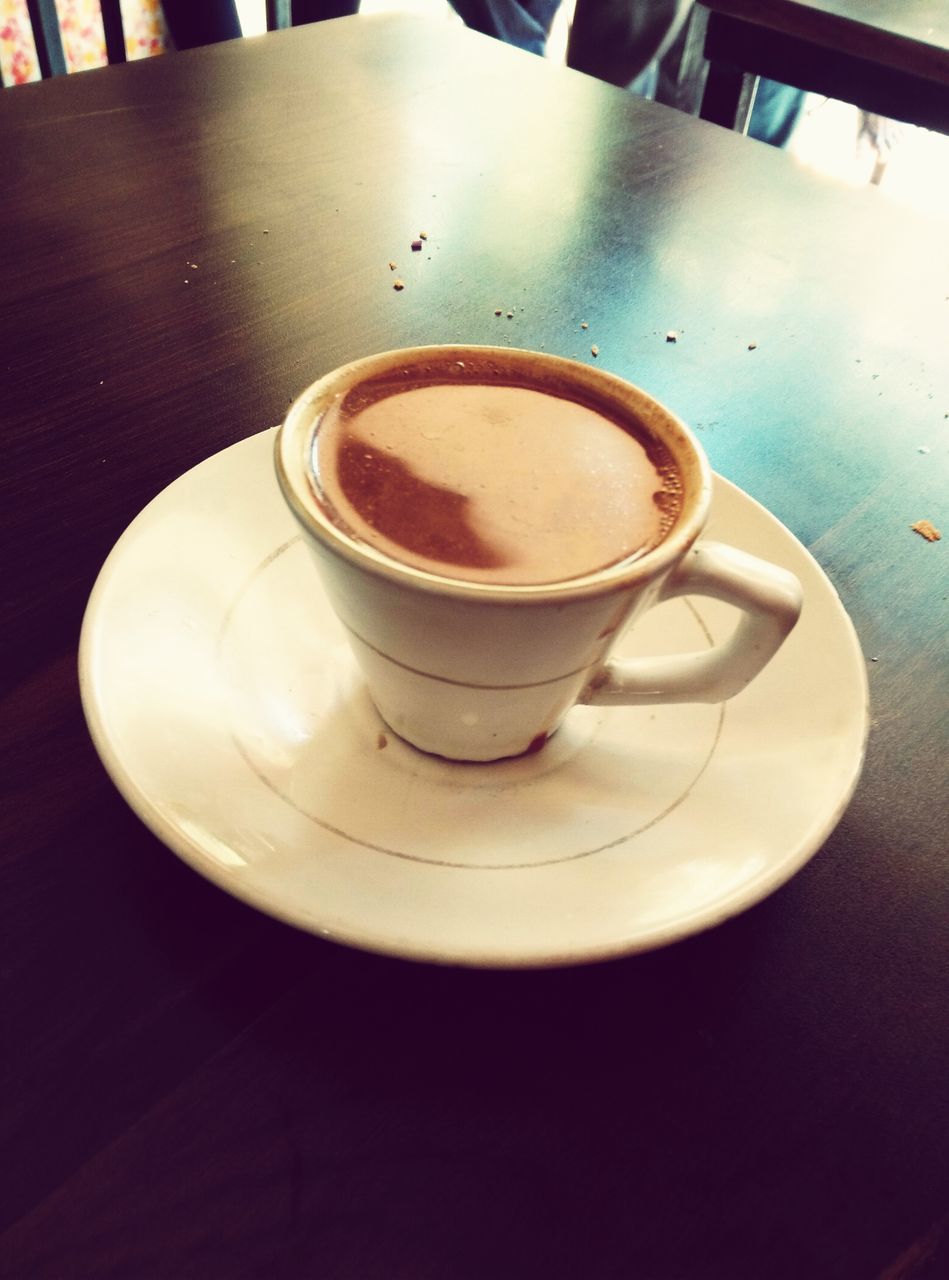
{"type": "Point", "coordinates": [222, 698]}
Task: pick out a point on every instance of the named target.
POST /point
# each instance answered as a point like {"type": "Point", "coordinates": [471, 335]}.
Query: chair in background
{"type": "Point", "coordinates": [294, 13]}
{"type": "Point", "coordinates": [38, 25]}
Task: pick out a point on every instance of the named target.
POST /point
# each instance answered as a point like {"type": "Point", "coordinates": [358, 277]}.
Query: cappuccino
{"type": "Point", "coordinates": [487, 477]}
{"type": "Point", "coordinates": [487, 523]}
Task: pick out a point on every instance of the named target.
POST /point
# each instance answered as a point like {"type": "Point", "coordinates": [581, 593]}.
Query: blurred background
{"type": "Point", "coordinates": [910, 165]}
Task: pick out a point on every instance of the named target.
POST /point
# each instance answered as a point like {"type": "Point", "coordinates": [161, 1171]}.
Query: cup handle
{"type": "Point", "coordinates": [770, 599]}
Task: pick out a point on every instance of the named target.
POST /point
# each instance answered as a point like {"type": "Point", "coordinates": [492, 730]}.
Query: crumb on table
{"type": "Point", "coordinates": [926, 529]}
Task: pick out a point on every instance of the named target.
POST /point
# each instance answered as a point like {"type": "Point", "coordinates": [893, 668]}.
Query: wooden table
{"type": "Point", "coordinates": [192, 1089]}
{"type": "Point", "coordinates": [890, 57]}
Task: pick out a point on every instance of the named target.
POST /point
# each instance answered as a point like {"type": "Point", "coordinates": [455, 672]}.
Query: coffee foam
{"type": "Point", "coordinates": [468, 470]}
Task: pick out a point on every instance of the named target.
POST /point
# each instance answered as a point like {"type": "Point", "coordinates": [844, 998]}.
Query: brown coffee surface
{"type": "Point", "coordinates": [491, 482]}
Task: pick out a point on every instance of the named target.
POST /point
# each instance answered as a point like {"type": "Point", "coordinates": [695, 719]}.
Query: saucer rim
{"type": "Point", "coordinates": [742, 897]}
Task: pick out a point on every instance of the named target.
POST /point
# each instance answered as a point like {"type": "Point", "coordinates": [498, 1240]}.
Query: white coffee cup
{"type": "Point", "coordinates": [479, 671]}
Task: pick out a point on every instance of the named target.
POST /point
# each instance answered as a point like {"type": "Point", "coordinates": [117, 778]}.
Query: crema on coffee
{"type": "Point", "coordinates": [491, 479]}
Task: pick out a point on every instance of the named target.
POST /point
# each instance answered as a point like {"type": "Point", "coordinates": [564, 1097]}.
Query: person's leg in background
{"type": "Point", "coordinates": [191, 24]}
{"type": "Point", "coordinates": [620, 40]}
{"type": "Point", "coordinates": [524, 23]}
{"type": "Point", "coordinates": [645, 45]}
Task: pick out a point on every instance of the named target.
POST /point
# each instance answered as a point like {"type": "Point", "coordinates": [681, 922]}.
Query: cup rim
{"type": "Point", "coordinates": [292, 447]}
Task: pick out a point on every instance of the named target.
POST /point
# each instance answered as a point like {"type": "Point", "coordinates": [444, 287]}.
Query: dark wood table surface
{"type": "Point", "coordinates": [886, 56]}
{"type": "Point", "coordinates": [192, 1089]}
